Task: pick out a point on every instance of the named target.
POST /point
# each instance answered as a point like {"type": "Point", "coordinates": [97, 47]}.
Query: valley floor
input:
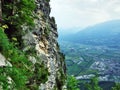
{"type": "Point", "coordinates": [86, 61]}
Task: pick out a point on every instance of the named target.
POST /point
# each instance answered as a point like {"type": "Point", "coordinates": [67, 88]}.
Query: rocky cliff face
{"type": "Point", "coordinates": [44, 37]}
{"type": "Point", "coordinates": [41, 46]}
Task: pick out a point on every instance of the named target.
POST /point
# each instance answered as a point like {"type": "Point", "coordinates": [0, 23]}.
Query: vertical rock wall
{"type": "Point", "coordinates": [43, 41]}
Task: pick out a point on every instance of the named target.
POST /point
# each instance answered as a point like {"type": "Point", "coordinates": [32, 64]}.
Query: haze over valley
{"type": "Point", "coordinates": [94, 51]}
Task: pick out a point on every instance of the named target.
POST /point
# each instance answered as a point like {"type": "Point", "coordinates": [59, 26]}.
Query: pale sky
{"type": "Point", "coordinates": [82, 13]}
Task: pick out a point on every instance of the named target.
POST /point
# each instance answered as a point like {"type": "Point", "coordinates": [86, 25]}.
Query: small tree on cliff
{"type": "Point", "coordinates": [72, 83]}
{"type": "Point", "coordinates": [117, 87]}
{"type": "Point", "coordinates": [93, 85]}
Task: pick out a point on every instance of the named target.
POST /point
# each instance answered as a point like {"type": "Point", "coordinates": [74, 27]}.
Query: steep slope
{"type": "Point", "coordinates": [101, 34]}
{"type": "Point", "coordinates": [39, 46]}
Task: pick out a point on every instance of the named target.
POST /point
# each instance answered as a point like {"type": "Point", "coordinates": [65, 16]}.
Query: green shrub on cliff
{"type": "Point", "coordinates": [18, 15]}
{"type": "Point", "coordinates": [72, 83]}
{"type": "Point", "coordinates": [93, 84]}
{"type": "Point", "coordinates": [18, 12]}
{"type": "Point", "coordinates": [116, 87]}
{"type": "Point", "coordinates": [19, 71]}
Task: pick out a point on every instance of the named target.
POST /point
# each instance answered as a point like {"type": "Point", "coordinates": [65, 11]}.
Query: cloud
{"type": "Point", "coordinates": [82, 13]}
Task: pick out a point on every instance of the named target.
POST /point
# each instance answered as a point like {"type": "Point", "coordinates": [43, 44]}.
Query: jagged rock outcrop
{"type": "Point", "coordinates": [40, 44]}
{"type": "Point", "coordinates": [44, 39]}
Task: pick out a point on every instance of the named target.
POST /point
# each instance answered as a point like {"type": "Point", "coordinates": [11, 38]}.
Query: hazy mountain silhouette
{"type": "Point", "coordinates": [107, 33]}
{"type": "Point", "coordinates": [64, 33]}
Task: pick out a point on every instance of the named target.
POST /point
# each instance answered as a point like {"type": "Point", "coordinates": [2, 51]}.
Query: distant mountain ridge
{"type": "Point", "coordinates": [107, 33]}
{"type": "Point", "coordinates": [67, 32]}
